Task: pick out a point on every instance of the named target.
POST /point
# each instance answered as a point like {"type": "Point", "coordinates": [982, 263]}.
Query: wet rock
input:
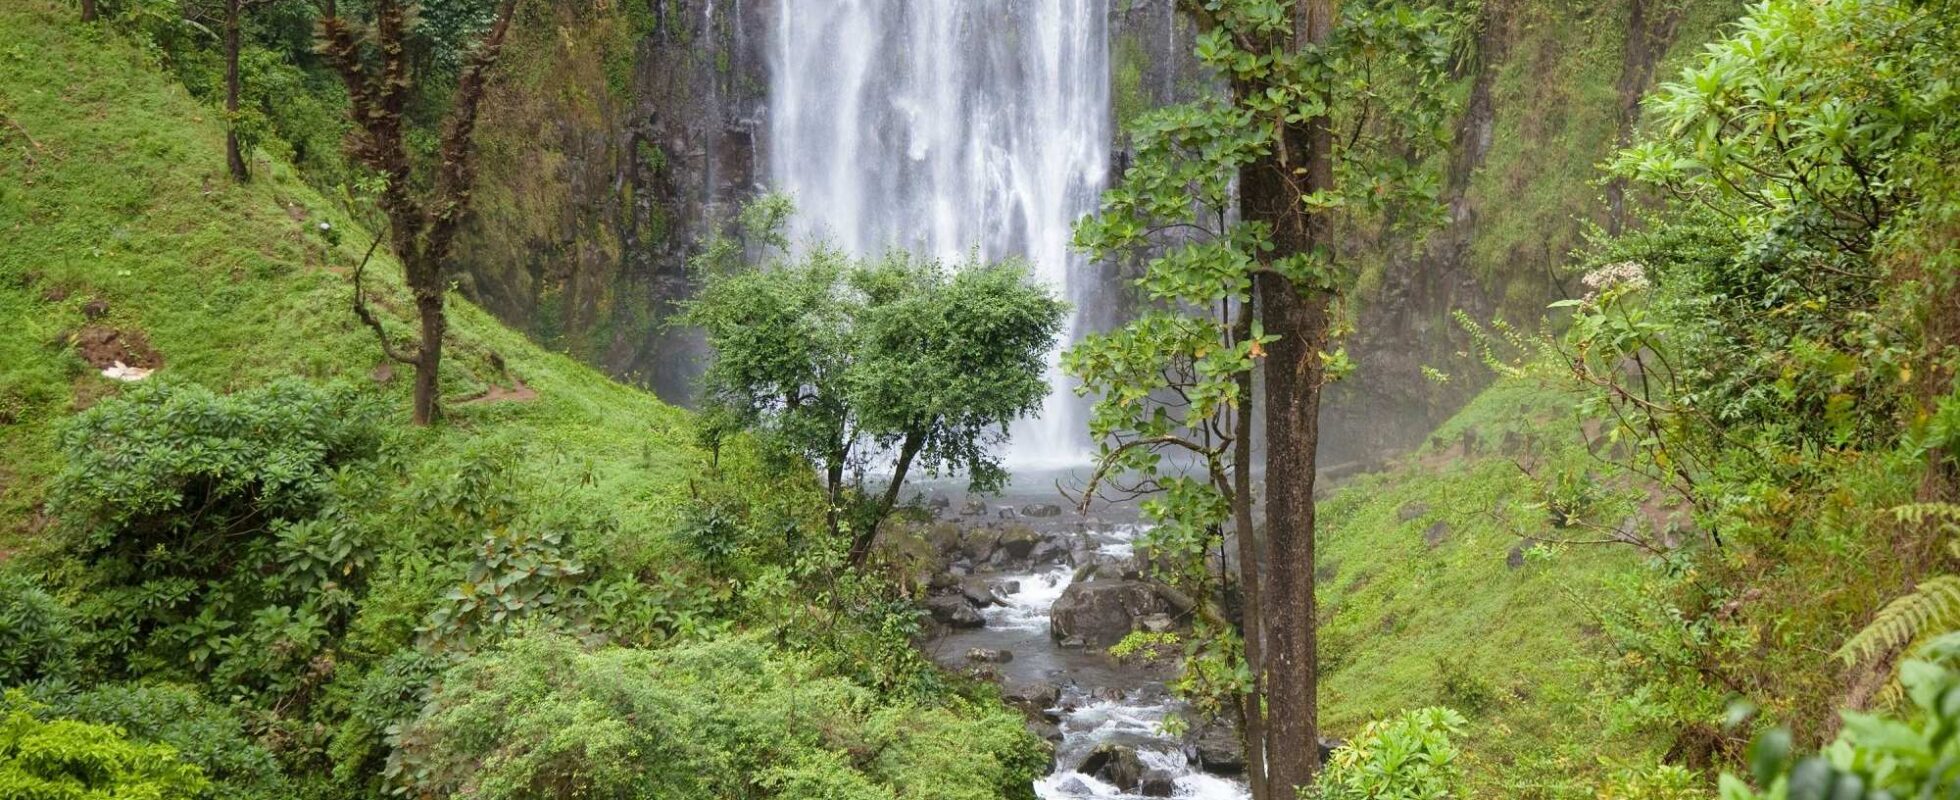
{"type": "Point", "coordinates": [1215, 748]}
{"type": "Point", "coordinates": [1157, 783]}
{"type": "Point", "coordinates": [978, 591]}
{"type": "Point", "coordinates": [939, 503]}
{"type": "Point", "coordinates": [1436, 534]}
{"type": "Point", "coordinates": [1116, 764]}
{"type": "Point", "coordinates": [977, 544]}
{"type": "Point", "coordinates": [1041, 510]}
{"type": "Point", "coordinates": [988, 655]}
{"type": "Point", "coordinates": [1101, 613]}
{"type": "Point", "coordinates": [1074, 787]}
{"type": "Point", "coordinates": [1053, 550]}
{"type": "Point", "coordinates": [1326, 747]}
{"type": "Point", "coordinates": [1071, 641]}
{"type": "Point", "coordinates": [1034, 698]}
{"type": "Point", "coordinates": [95, 309]}
{"type": "Point", "coordinates": [954, 611]}
{"type": "Point", "coordinates": [973, 508]}
{"type": "Point", "coordinates": [944, 580]}
{"type": "Point", "coordinates": [1157, 623]}
{"type": "Point", "coordinates": [1002, 589]}
{"type": "Point", "coordinates": [1046, 731]}
{"type": "Point", "coordinates": [1016, 543]}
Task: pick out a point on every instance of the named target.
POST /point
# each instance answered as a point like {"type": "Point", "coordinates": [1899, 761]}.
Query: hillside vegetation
{"type": "Point", "coordinates": [304, 652]}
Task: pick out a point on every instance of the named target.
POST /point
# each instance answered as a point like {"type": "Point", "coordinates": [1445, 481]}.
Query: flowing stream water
{"type": "Point", "coordinates": [950, 128]}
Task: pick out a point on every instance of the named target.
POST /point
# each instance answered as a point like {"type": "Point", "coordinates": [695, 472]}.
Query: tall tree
{"type": "Point", "coordinates": [422, 223]}
{"type": "Point", "coordinates": [89, 11]}
{"type": "Point", "coordinates": [235, 12]}
{"type": "Point", "coordinates": [1236, 199]}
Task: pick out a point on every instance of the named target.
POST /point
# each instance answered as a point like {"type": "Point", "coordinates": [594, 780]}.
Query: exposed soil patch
{"type": "Point", "coordinates": [517, 392]}
{"type": "Point", "coordinates": [104, 347]}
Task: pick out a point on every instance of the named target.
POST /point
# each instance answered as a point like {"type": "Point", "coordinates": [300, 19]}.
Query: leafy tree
{"type": "Point", "coordinates": [424, 212]}
{"type": "Point", "coordinates": [841, 362]}
{"type": "Point", "coordinates": [1325, 129]}
{"type": "Point", "coordinates": [235, 13]}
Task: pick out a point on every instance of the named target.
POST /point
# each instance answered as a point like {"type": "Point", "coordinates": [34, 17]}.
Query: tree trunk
{"type": "Point", "coordinates": [89, 12]}
{"type": "Point", "coordinates": [428, 359]}
{"type": "Point", "coordinates": [1252, 706]}
{"type": "Point", "coordinates": [234, 159]}
{"type": "Point", "coordinates": [833, 478]}
{"type": "Point", "coordinates": [861, 540]}
{"type": "Point", "coordinates": [1271, 191]}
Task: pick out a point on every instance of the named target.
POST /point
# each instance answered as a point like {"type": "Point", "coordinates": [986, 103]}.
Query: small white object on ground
{"type": "Point", "coordinates": [123, 372]}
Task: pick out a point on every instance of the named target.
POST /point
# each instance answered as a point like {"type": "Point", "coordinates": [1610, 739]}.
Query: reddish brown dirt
{"type": "Point", "coordinates": [102, 347]}
{"type": "Point", "coordinates": [518, 392]}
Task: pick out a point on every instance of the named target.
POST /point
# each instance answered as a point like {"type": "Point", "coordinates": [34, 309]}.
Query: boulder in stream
{"type": "Point", "coordinates": [1215, 747]}
{"type": "Point", "coordinates": [953, 610]}
{"type": "Point", "coordinates": [1041, 510]}
{"type": "Point", "coordinates": [1101, 613]}
{"type": "Point", "coordinates": [988, 655]}
{"type": "Point", "coordinates": [1157, 783]}
{"type": "Point", "coordinates": [1115, 764]}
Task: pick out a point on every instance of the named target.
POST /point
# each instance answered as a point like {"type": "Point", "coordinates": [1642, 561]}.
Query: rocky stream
{"type": "Point", "coordinates": [1030, 594]}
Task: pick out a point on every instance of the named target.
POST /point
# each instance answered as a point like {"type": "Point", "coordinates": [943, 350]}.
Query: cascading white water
{"type": "Point", "coordinates": [948, 127]}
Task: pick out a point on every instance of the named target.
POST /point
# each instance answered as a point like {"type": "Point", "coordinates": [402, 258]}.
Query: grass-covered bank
{"type": "Point", "coordinates": [248, 559]}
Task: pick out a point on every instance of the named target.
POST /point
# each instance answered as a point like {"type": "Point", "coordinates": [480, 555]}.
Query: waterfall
{"type": "Point", "coordinates": [948, 127]}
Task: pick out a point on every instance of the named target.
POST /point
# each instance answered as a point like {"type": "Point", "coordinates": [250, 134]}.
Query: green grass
{"type": "Point", "coordinates": [1405, 624]}
{"type": "Point", "coordinates": [113, 188]}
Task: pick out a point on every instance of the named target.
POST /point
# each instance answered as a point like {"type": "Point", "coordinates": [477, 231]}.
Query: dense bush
{"type": "Point", "coordinates": [203, 734]}
{"type": "Point", "coordinates": [1876, 757]}
{"type": "Point", "coordinates": [37, 633]}
{"type": "Point", "coordinates": [221, 533]}
{"type": "Point", "coordinates": [69, 759]}
{"type": "Point", "coordinates": [541, 716]}
{"type": "Point", "coordinates": [1406, 757]}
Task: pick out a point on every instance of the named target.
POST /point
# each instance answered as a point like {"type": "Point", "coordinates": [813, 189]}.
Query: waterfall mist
{"type": "Point", "coordinates": [949, 127]}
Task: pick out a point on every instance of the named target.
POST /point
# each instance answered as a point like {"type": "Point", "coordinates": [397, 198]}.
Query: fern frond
{"type": "Point", "coordinates": [1919, 513]}
{"type": "Point", "coordinates": [1932, 608]}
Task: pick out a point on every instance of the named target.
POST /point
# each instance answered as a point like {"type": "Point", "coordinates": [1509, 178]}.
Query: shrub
{"type": "Point", "coordinates": [204, 735]}
{"type": "Point", "coordinates": [1875, 757]}
{"type": "Point", "coordinates": [37, 633]}
{"type": "Point", "coordinates": [70, 759]}
{"type": "Point", "coordinates": [540, 716]}
{"type": "Point", "coordinates": [1407, 757]}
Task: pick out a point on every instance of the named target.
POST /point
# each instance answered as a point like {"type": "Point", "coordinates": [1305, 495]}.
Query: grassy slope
{"type": "Point", "coordinates": [1406, 625]}
{"type": "Point", "coordinates": [112, 187]}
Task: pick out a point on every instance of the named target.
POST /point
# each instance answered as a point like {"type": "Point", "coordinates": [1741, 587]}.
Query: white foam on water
{"type": "Point", "coordinates": [1026, 608]}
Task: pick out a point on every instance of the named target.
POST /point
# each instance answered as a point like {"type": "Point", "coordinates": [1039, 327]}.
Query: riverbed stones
{"type": "Point", "coordinates": [973, 508]}
{"type": "Point", "coordinates": [1034, 698]}
{"type": "Point", "coordinates": [1157, 783]}
{"type": "Point", "coordinates": [1041, 510]}
{"type": "Point", "coordinates": [978, 591]}
{"type": "Point", "coordinates": [988, 655]}
{"type": "Point", "coordinates": [1016, 543]}
{"type": "Point", "coordinates": [1101, 613]}
{"type": "Point", "coordinates": [954, 611]}
{"type": "Point", "coordinates": [1215, 748]}
{"type": "Point", "coordinates": [1116, 764]}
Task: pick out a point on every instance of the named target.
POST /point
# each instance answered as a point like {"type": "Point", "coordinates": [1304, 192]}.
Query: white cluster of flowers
{"type": "Point", "coordinates": [1627, 275]}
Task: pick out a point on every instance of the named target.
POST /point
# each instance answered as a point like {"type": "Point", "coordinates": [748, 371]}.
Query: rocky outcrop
{"type": "Point", "coordinates": [1100, 613]}
{"type": "Point", "coordinates": [954, 611]}
{"type": "Point", "coordinates": [1115, 764]}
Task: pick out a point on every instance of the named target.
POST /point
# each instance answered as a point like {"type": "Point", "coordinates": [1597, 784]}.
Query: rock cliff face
{"type": "Point", "coordinates": [629, 133]}
{"type": "Point", "coordinates": [625, 136]}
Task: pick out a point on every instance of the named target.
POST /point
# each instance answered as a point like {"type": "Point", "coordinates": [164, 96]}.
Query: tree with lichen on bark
{"type": "Point", "coordinates": [374, 63]}
{"type": "Point", "coordinates": [1240, 203]}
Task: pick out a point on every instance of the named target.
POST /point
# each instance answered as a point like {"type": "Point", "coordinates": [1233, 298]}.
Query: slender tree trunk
{"type": "Point", "coordinates": [833, 479]}
{"type": "Point", "coordinates": [89, 11]}
{"type": "Point", "coordinates": [234, 159]}
{"type": "Point", "coordinates": [861, 540]}
{"type": "Point", "coordinates": [1297, 315]}
{"type": "Point", "coordinates": [1252, 705]}
{"type": "Point", "coordinates": [428, 359]}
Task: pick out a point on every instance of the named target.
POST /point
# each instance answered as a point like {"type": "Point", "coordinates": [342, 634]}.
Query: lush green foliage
{"type": "Point", "coordinates": [1405, 757]}
{"type": "Point", "coordinates": [542, 717]}
{"type": "Point", "coordinates": [843, 363]}
{"type": "Point", "coordinates": [68, 759]}
{"type": "Point", "coordinates": [37, 634]}
{"type": "Point", "coordinates": [1875, 757]}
